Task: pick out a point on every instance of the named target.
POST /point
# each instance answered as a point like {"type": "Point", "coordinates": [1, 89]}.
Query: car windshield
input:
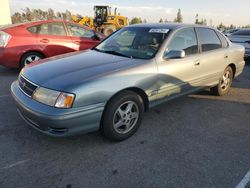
{"type": "Point", "coordinates": [139, 43]}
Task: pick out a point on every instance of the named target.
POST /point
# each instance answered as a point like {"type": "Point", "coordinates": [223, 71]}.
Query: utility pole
{"type": "Point", "coordinates": [5, 17]}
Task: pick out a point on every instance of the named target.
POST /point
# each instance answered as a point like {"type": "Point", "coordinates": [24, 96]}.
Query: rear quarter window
{"type": "Point", "coordinates": [55, 28]}
{"type": "Point", "coordinates": [223, 40]}
{"type": "Point", "coordinates": [33, 29]}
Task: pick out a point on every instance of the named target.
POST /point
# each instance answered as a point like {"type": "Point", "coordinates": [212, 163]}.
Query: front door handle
{"type": "Point", "coordinates": [197, 62]}
{"type": "Point", "coordinates": [44, 40]}
{"type": "Point", "coordinates": [77, 42]}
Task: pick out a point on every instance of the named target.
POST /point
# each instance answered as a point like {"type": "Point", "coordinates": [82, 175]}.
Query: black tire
{"type": "Point", "coordinates": [219, 90]}
{"type": "Point", "coordinates": [247, 60]}
{"type": "Point", "coordinates": [27, 55]}
{"type": "Point", "coordinates": [109, 30]}
{"type": "Point", "coordinates": [111, 113]}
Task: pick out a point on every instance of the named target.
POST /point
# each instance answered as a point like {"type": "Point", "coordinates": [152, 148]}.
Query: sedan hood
{"type": "Point", "coordinates": [69, 70]}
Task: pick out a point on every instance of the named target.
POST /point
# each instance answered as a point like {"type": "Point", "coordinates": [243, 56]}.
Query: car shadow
{"type": "Point", "coordinates": [156, 114]}
{"type": "Point", "coordinates": [8, 72]}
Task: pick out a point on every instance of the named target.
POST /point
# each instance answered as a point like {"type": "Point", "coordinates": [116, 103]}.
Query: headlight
{"type": "Point", "coordinates": [53, 98]}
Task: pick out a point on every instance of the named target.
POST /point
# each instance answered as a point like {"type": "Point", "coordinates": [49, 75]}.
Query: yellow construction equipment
{"type": "Point", "coordinates": [88, 21]}
{"type": "Point", "coordinates": [104, 21]}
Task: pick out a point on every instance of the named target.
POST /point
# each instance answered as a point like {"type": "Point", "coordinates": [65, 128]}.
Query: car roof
{"type": "Point", "coordinates": [33, 23]}
{"type": "Point", "coordinates": [171, 26]}
{"type": "Point", "coordinates": [25, 24]}
{"type": "Point", "coordinates": [10, 26]}
{"type": "Point", "coordinates": [244, 29]}
{"type": "Point", "coordinates": [240, 32]}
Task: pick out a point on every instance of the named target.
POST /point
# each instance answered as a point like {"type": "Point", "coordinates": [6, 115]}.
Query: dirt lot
{"type": "Point", "coordinates": [195, 141]}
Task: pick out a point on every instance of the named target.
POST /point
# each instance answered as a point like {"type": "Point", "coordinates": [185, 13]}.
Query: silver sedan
{"type": "Point", "coordinates": [242, 37]}
{"type": "Point", "coordinates": [109, 87]}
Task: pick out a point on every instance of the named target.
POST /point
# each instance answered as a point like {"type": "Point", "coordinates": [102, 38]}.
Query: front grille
{"type": "Point", "coordinates": [26, 86]}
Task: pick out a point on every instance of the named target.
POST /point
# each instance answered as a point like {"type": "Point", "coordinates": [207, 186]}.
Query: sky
{"type": "Point", "coordinates": [214, 11]}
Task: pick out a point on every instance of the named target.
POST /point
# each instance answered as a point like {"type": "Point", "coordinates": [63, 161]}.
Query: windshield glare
{"type": "Point", "coordinates": [133, 42]}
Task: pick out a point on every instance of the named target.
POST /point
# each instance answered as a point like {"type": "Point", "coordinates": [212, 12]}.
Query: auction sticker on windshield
{"type": "Point", "coordinates": [158, 30]}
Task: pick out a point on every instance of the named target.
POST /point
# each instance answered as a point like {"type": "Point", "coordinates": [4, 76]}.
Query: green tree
{"type": "Point", "coordinates": [221, 27]}
{"type": "Point", "coordinates": [51, 14]}
{"type": "Point", "coordinates": [232, 26]}
{"type": "Point", "coordinates": [64, 16]}
{"type": "Point", "coordinates": [200, 22]}
{"type": "Point", "coordinates": [135, 20]}
{"type": "Point", "coordinates": [196, 19]}
{"type": "Point", "coordinates": [16, 18]}
{"type": "Point", "coordinates": [59, 15]}
{"type": "Point", "coordinates": [40, 14]}
{"type": "Point", "coordinates": [161, 20]}
{"type": "Point", "coordinates": [68, 15]}
{"type": "Point", "coordinates": [166, 21]}
{"type": "Point", "coordinates": [29, 16]}
{"type": "Point", "coordinates": [179, 17]}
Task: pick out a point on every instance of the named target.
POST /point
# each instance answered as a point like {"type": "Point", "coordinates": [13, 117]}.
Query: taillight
{"type": "Point", "coordinates": [4, 38]}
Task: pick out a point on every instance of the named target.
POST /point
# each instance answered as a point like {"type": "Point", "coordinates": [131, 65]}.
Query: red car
{"type": "Point", "coordinates": [24, 43]}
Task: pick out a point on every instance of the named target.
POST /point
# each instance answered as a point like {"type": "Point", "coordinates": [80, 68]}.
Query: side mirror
{"type": "Point", "coordinates": [174, 54]}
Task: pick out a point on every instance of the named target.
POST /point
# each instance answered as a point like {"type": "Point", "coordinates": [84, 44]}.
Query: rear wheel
{"type": "Point", "coordinates": [109, 30]}
{"type": "Point", "coordinates": [123, 116]}
{"type": "Point", "coordinates": [29, 58]}
{"type": "Point", "coordinates": [224, 84]}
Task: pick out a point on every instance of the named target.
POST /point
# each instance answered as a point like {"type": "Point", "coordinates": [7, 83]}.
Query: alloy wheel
{"type": "Point", "coordinates": [31, 59]}
{"type": "Point", "coordinates": [226, 80]}
{"type": "Point", "coordinates": [125, 117]}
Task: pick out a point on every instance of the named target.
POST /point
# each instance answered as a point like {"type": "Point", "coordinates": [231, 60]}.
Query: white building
{"type": "Point", "coordinates": [5, 17]}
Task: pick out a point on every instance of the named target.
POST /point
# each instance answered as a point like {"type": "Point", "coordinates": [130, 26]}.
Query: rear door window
{"type": "Point", "coordinates": [52, 29]}
{"type": "Point", "coordinates": [55, 28]}
{"type": "Point", "coordinates": [208, 39]}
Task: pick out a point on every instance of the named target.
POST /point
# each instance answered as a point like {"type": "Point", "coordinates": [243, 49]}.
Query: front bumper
{"type": "Point", "coordinates": [57, 122]}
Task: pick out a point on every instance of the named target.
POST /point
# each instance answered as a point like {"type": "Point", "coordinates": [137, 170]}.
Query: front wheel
{"type": "Point", "coordinates": [123, 116]}
{"type": "Point", "coordinates": [225, 83]}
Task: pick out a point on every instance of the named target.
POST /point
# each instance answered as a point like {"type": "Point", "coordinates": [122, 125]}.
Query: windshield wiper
{"type": "Point", "coordinates": [116, 53]}
{"type": "Point", "coordinates": [112, 52]}
{"type": "Point", "coordinates": [96, 49]}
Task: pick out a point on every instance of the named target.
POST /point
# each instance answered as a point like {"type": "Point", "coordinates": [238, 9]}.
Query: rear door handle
{"type": "Point", "coordinates": [44, 40]}
{"type": "Point", "coordinates": [197, 62]}
{"type": "Point", "coordinates": [225, 56]}
{"type": "Point", "coordinates": [77, 42]}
